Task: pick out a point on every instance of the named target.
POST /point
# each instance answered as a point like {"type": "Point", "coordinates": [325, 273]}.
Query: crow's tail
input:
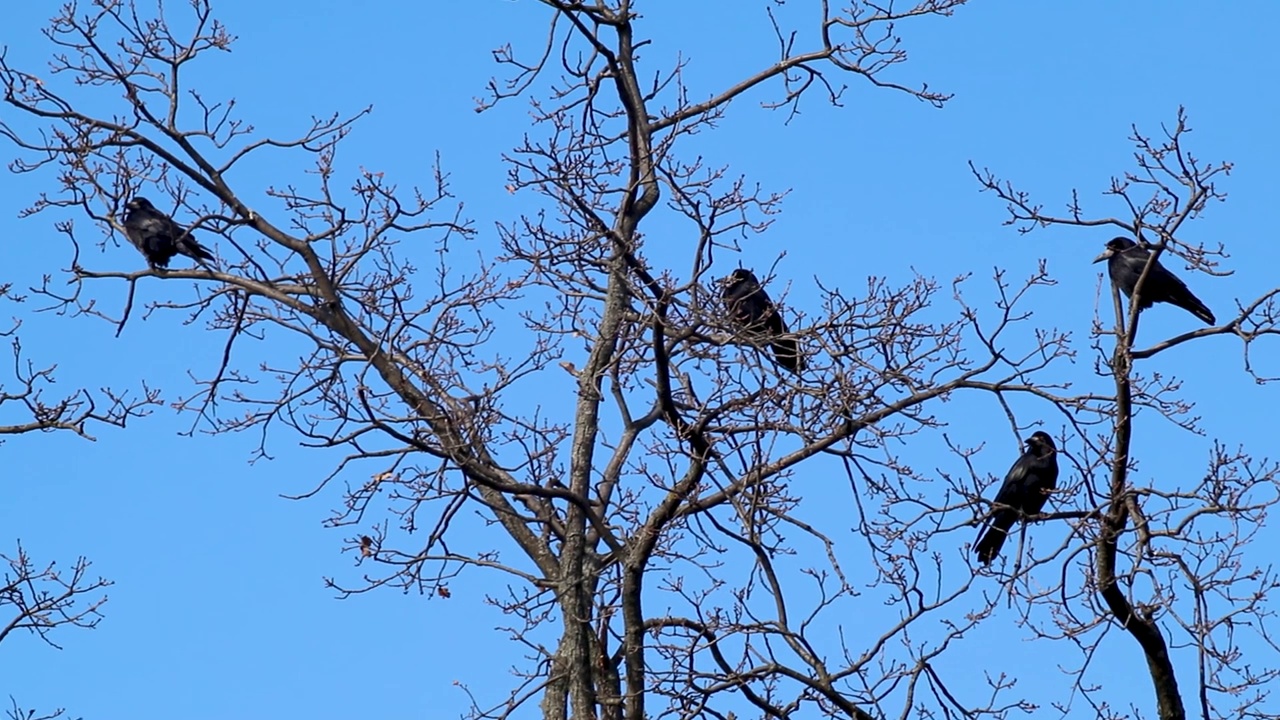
{"type": "Point", "coordinates": [1183, 298]}
{"type": "Point", "coordinates": [989, 545]}
{"type": "Point", "coordinates": [194, 250]}
{"type": "Point", "coordinates": [786, 351]}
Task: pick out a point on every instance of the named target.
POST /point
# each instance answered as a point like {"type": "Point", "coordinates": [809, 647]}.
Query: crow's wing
{"type": "Point", "coordinates": [1042, 477]}
{"type": "Point", "coordinates": [1014, 489]}
{"type": "Point", "coordinates": [1164, 286]}
{"type": "Point", "coordinates": [152, 235]}
{"type": "Point", "coordinates": [1161, 286]}
{"type": "Point", "coordinates": [752, 309]}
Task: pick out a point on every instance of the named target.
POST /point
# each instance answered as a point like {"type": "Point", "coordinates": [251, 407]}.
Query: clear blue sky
{"type": "Point", "coordinates": [218, 608]}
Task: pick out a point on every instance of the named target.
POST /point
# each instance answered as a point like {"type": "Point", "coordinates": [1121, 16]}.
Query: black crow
{"type": "Point", "coordinates": [1024, 492]}
{"type": "Point", "coordinates": [158, 237]}
{"type": "Point", "coordinates": [756, 315]}
{"type": "Point", "coordinates": [1125, 260]}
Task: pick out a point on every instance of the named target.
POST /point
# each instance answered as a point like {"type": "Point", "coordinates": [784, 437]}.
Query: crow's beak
{"type": "Point", "coordinates": [1104, 255]}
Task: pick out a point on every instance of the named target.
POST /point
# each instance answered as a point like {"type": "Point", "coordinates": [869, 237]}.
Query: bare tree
{"type": "Point", "coordinates": [38, 597]}
{"type": "Point", "coordinates": [661, 560]}
{"type": "Point", "coordinates": [1167, 557]}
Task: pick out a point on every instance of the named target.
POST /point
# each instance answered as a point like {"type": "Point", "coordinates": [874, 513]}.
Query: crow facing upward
{"type": "Point", "coordinates": [1026, 488]}
{"type": "Point", "coordinates": [1125, 260]}
{"type": "Point", "coordinates": [755, 314]}
{"type": "Point", "coordinates": [158, 237]}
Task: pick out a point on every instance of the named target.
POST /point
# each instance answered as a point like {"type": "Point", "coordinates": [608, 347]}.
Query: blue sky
{"type": "Point", "coordinates": [219, 607]}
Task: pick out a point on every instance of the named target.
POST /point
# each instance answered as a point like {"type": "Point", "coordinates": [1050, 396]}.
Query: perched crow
{"type": "Point", "coordinates": [158, 237]}
{"type": "Point", "coordinates": [1125, 260]}
{"type": "Point", "coordinates": [756, 315]}
{"type": "Point", "coordinates": [1024, 492]}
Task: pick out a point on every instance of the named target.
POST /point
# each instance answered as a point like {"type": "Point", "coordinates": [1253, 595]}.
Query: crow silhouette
{"type": "Point", "coordinates": [751, 310]}
{"type": "Point", "coordinates": [1125, 261]}
{"type": "Point", "coordinates": [1024, 492]}
{"type": "Point", "coordinates": [158, 237]}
